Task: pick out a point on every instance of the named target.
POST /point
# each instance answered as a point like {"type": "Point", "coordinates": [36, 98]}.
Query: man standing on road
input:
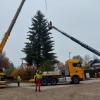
{"type": "Point", "coordinates": [18, 80]}
{"type": "Point", "coordinates": [38, 78]}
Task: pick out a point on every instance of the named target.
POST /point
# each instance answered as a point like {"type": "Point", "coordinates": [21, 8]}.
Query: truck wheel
{"type": "Point", "coordinates": [44, 82]}
{"type": "Point", "coordinates": [53, 81]}
{"type": "Point", "coordinates": [75, 80]}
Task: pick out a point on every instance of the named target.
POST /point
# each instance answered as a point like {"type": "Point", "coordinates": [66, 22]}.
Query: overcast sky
{"type": "Point", "coordinates": [79, 18]}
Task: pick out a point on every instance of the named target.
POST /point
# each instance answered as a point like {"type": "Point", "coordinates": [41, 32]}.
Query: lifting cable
{"type": "Point", "coordinates": [46, 4]}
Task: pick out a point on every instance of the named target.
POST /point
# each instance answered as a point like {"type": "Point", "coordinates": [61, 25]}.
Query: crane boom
{"type": "Point", "coordinates": [76, 40]}
{"type": "Point", "coordinates": [7, 33]}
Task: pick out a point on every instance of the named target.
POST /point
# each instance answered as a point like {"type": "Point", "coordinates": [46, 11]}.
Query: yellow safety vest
{"type": "Point", "coordinates": [18, 78]}
{"type": "Point", "coordinates": [38, 76]}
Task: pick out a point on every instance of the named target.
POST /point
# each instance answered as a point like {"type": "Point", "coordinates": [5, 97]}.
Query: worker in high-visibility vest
{"type": "Point", "coordinates": [18, 80]}
{"type": "Point", "coordinates": [38, 78]}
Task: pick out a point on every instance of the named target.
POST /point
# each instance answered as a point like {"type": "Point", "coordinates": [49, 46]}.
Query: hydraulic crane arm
{"type": "Point", "coordinates": [76, 40]}
{"type": "Point", "coordinates": [6, 35]}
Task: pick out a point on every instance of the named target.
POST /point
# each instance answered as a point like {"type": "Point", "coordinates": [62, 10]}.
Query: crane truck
{"type": "Point", "coordinates": [73, 73]}
{"type": "Point", "coordinates": [74, 69]}
{"type": "Point", "coordinates": [6, 36]}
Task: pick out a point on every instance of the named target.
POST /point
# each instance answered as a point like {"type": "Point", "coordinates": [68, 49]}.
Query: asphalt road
{"type": "Point", "coordinates": [31, 85]}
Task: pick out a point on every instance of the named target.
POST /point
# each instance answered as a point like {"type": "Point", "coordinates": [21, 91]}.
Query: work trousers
{"type": "Point", "coordinates": [37, 84]}
{"type": "Point", "coordinates": [18, 84]}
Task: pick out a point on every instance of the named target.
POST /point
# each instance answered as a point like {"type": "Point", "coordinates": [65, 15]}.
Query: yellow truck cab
{"type": "Point", "coordinates": [74, 70]}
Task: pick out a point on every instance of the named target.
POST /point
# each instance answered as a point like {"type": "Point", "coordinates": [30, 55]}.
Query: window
{"type": "Point", "coordinates": [77, 64]}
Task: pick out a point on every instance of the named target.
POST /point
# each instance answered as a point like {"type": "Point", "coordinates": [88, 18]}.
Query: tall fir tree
{"type": "Point", "coordinates": [40, 46]}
